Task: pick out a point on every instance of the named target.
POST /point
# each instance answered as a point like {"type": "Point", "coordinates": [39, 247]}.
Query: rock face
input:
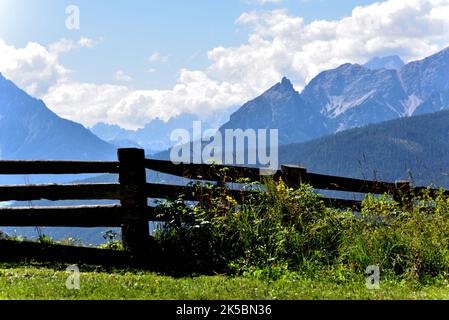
{"type": "Point", "coordinates": [426, 82]}
{"type": "Point", "coordinates": [281, 107]}
{"type": "Point", "coordinates": [352, 96]}
{"type": "Point", "coordinates": [349, 96]}
{"type": "Point", "coordinates": [30, 131]}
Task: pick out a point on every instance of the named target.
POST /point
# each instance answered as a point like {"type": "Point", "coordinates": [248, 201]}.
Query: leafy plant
{"type": "Point", "coordinates": [279, 230]}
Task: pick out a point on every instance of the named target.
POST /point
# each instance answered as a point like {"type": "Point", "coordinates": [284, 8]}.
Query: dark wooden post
{"type": "Point", "coordinates": [293, 176]}
{"type": "Point", "coordinates": [132, 177]}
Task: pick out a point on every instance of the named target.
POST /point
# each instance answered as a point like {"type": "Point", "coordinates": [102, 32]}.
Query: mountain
{"type": "Point", "coordinates": [279, 108]}
{"type": "Point", "coordinates": [347, 97]}
{"type": "Point", "coordinates": [335, 100]}
{"type": "Point", "coordinates": [388, 151]}
{"type": "Point", "coordinates": [29, 130]}
{"type": "Point", "coordinates": [426, 83]}
{"type": "Point", "coordinates": [353, 96]}
{"type": "Point", "coordinates": [155, 136]}
{"type": "Point", "coordinates": [389, 62]}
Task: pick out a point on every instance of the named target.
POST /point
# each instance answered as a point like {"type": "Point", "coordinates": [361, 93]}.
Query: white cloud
{"type": "Point", "coordinates": [84, 102]}
{"type": "Point", "coordinates": [283, 44]}
{"type": "Point", "coordinates": [33, 68]}
{"type": "Point", "coordinates": [90, 103]}
{"type": "Point", "coordinates": [121, 76]}
{"type": "Point", "coordinates": [157, 57]}
{"type": "Point", "coordinates": [67, 45]}
{"type": "Point", "coordinates": [279, 44]}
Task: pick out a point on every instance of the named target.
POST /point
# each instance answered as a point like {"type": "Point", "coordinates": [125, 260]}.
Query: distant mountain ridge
{"type": "Point", "coordinates": [415, 147]}
{"type": "Point", "coordinates": [31, 131]}
{"type": "Point", "coordinates": [155, 135]}
{"type": "Point", "coordinates": [348, 96]}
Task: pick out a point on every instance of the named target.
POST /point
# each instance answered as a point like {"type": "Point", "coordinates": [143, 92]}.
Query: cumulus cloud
{"type": "Point", "coordinates": [67, 45]}
{"type": "Point", "coordinates": [283, 44]}
{"type": "Point", "coordinates": [157, 57]}
{"type": "Point", "coordinates": [278, 44]}
{"type": "Point", "coordinates": [34, 68]}
{"type": "Point", "coordinates": [121, 76]}
{"type": "Point", "coordinates": [194, 93]}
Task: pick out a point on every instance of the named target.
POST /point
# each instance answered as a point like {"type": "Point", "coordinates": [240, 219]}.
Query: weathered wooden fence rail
{"type": "Point", "coordinates": [133, 191]}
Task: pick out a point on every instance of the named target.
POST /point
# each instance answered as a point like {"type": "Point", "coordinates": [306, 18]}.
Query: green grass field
{"type": "Point", "coordinates": [286, 243]}
{"type": "Point", "coordinates": [36, 282]}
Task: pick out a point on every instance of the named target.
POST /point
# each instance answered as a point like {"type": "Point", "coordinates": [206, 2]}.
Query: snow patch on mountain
{"type": "Point", "coordinates": [411, 104]}
{"type": "Point", "coordinates": [338, 105]}
{"type": "Point", "coordinates": [394, 110]}
{"type": "Point", "coordinates": [341, 127]}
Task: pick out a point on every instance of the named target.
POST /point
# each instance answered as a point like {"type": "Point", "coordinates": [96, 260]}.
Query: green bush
{"type": "Point", "coordinates": [280, 230]}
{"type": "Point", "coordinates": [411, 242]}
{"type": "Point", "coordinates": [276, 229]}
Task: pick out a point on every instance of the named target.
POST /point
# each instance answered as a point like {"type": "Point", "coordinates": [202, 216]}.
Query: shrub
{"type": "Point", "coordinates": [408, 241]}
{"type": "Point", "coordinates": [281, 230]}
{"type": "Point", "coordinates": [276, 228]}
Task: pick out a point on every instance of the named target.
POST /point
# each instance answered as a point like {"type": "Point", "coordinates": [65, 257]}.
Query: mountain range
{"type": "Point", "coordinates": [155, 135]}
{"type": "Point", "coordinates": [349, 96]}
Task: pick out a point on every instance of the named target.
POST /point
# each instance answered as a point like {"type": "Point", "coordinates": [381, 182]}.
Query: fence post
{"type": "Point", "coordinates": [132, 177]}
{"type": "Point", "coordinates": [293, 176]}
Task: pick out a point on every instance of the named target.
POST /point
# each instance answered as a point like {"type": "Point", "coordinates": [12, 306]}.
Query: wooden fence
{"type": "Point", "coordinates": [133, 192]}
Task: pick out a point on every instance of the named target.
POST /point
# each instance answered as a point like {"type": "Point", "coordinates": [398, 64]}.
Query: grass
{"type": "Point", "coordinates": [48, 283]}
{"type": "Point", "coordinates": [281, 243]}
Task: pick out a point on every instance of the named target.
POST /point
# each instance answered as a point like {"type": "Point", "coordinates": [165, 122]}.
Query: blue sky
{"type": "Point", "coordinates": [130, 31]}
{"type": "Point", "coordinates": [134, 61]}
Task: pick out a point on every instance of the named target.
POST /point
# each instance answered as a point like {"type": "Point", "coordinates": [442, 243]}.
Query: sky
{"type": "Point", "coordinates": [128, 62]}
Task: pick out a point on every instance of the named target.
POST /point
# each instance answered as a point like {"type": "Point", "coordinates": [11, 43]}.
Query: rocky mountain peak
{"type": "Point", "coordinates": [281, 89]}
